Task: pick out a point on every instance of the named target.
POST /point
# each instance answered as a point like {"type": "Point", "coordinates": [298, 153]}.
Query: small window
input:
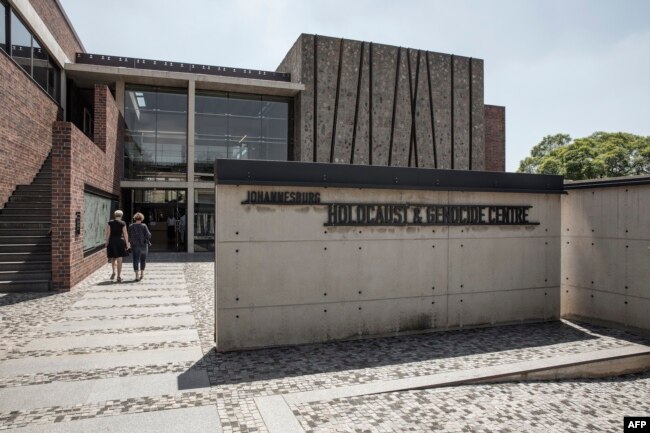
{"type": "Point", "coordinates": [21, 44]}
{"type": "Point", "coordinates": [52, 79]}
{"type": "Point", "coordinates": [32, 57]}
{"type": "Point", "coordinates": [40, 64]}
{"type": "Point", "coordinates": [3, 26]}
{"type": "Point", "coordinates": [88, 123]}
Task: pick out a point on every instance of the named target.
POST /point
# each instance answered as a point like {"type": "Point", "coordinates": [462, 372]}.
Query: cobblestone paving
{"type": "Point", "coordinates": [237, 378]}
{"type": "Point", "coordinates": [564, 406]}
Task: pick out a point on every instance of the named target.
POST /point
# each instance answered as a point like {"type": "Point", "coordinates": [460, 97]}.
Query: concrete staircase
{"type": "Point", "coordinates": [25, 241]}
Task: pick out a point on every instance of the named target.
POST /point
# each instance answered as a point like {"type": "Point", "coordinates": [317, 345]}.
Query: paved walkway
{"type": "Point", "coordinates": [138, 356]}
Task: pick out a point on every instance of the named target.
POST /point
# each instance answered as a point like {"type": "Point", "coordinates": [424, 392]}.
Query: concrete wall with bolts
{"type": "Point", "coordinates": [606, 254]}
{"type": "Point", "coordinates": [375, 104]}
{"type": "Point", "coordinates": [282, 277]}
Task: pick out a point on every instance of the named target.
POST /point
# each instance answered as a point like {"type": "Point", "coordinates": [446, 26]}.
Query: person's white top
{"type": "Point", "coordinates": [171, 221]}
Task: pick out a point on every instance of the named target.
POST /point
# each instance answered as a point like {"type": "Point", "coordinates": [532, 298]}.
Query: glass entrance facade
{"type": "Point", "coordinates": [238, 126]}
{"type": "Point", "coordinates": [155, 146]}
{"type": "Point", "coordinates": [164, 213]}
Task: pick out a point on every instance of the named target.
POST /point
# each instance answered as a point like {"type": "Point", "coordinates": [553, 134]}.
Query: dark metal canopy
{"type": "Point", "coordinates": [289, 173]}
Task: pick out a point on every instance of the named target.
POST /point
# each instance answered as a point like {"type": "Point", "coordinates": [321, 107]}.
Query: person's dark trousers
{"type": "Point", "coordinates": [140, 258]}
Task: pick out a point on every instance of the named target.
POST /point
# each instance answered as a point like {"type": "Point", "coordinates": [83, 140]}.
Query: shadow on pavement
{"type": "Point", "coordinates": [16, 298]}
{"type": "Point", "coordinates": [343, 356]}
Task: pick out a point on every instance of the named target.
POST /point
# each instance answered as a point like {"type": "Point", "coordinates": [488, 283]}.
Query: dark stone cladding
{"type": "Point", "coordinates": [308, 174]}
{"type": "Point", "coordinates": [375, 104]}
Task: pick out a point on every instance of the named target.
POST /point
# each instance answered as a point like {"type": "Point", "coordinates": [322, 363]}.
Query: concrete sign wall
{"type": "Point", "coordinates": [285, 277]}
{"type": "Point", "coordinates": [606, 251]}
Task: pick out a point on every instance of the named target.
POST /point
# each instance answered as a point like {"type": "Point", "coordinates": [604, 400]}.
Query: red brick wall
{"type": "Point", "coordinates": [495, 138]}
{"type": "Point", "coordinates": [56, 23]}
{"type": "Point", "coordinates": [25, 127]}
{"type": "Point", "coordinates": [78, 161]}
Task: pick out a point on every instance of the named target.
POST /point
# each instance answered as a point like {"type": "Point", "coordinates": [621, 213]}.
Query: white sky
{"type": "Point", "coordinates": [573, 66]}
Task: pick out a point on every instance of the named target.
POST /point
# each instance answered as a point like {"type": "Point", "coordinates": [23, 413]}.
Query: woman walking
{"type": "Point", "coordinates": [139, 234]}
{"type": "Point", "coordinates": [117, 242]}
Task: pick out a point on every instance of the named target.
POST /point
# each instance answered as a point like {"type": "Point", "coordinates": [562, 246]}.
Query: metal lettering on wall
{"type": "Point", "coordinates": [398, 214]}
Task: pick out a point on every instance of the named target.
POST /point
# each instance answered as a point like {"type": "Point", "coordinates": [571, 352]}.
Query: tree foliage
{"type": "Point", "coordinates": [602, 154]}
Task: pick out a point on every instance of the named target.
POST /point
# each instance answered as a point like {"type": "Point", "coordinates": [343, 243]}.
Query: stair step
{"type": "Point", "coordinates": [24, 239]}
{"type": "Point", "coordinates": [26, 231]}
{"type": "Point", "coordinates": [25, 286]}
{"type": "Point", "coordinates": [33, 195]}
{"type": "Point", "coordinates": [25, 248]}
{"type": "Point", "coordinates": [26, 265]}
{"type": "Point", "coordinates": [33, 198]}
{"type": "Point", "coordinates": [26, 211]}
{"type": "Point", "coordinates": [23, 275]}
{"type": "Point", "coordinates": [12, 204]}
{"type": "Point", "coordinates": [25, 256]}
{"type": "Point", "coordinates": [22, 189]}
{"type": "Point", "coordinates": [24, 217]}
{"type": "Point", "coordinates": [14, 225]}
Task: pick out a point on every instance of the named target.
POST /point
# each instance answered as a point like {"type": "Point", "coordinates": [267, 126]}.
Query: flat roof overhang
{"type": "Point", "coordinates": [89, 75]}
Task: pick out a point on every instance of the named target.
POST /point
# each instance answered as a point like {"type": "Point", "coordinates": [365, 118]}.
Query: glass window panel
{"type": "Point", "coordinates": [3, 27]}
{"type": "Point", "coordinates": [21, 44]}
{"type": "Point", "coordinates": [52, 79]}
{"type": "Point", "coordinates": [203, 220]}
{"type": "Point", "coordinates": [240, 127]}
{"type": "Point", "coordinates": [39, 64]}
{"type": "Point", "coordinates": [156, 144]}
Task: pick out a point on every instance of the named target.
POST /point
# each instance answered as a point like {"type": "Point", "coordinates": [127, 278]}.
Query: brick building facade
{"type": "Point", "coordinates": [83, 132]}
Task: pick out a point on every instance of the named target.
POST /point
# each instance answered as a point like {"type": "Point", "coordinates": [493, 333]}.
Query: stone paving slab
{"type": "Point", "coordinates": [101, 340]}
{"type": "Point", "coordinates": [47, 364]}
{"type": "Point", "coordinates": [98, 390]}
{"type": "Point", "coordinates": [117, 311]}
{"type": "Point", "coordinates": [137, 294]}
{"type": "Point", "coordinates": [183, 420]}
{"type": "Point", "coordinates": [99, 302]}
{"type": "Point", "coordinates": [100, 324]}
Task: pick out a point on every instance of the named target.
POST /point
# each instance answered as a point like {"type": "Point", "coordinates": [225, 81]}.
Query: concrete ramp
{"type": "Point", "coordinates": [278, 410]}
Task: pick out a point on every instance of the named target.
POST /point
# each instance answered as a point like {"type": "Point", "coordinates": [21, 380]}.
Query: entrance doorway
{"type": "Point", "coordinates": [165, 212]}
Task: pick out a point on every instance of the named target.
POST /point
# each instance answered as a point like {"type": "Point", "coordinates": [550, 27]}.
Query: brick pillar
{"type": "Point", "coordinates": [100, 136]}
{"type": "Point", "coordinates": [62, 213]}
{"type": "Point", "coordinates": [495, 138]}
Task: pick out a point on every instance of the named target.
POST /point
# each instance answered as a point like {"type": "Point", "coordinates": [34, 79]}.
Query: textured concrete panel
{"type": "Point", "coordinates": [440, 69]}
{"type": "Point", "coordinates": [637, 268]}
{"type": "Point", "coordinates": [384, 62]}
{"type": "Point", "coordinates": [412, 269]}
{"type": "Point", "coordinates": [606, 254]}
{"type": "Point", "coordinates": [423, 131]}
{"type": "Point", "coordinates": [461, 107]}
{"type": "Point", "coordinates": [327, 74]}
{"type": "Point", "coordinates": [401, 126]}
{"type": "Point", "coordinates": [362, 139]}
{"type": "Point", "coordinates": [248, 223]}
{"type": "Point", "coordinates": [347, 95]}
{"type": "Point", "coordinates": [285, 278]}
{"type": "Point", "coordinates": [428, 88]}
{"type": "Point", "coordinates": [306, 114]}
{"type": "Point", "coordinates": [478, 112]}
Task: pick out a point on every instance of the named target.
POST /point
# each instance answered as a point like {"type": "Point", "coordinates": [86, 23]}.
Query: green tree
{"type": "Point", "coordinates": [602, 154]}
